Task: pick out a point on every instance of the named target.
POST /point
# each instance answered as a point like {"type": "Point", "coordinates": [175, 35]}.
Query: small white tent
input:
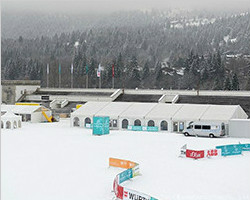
{"type": "Point", "coordinates": [11, 121]}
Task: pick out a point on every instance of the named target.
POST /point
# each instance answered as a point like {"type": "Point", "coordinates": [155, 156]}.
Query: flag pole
{"type": "Point", "coordinates": [59, 75]}
{"type": "Point", "coordinates": [87, 80]}
{"type": "Point", "coordinates": [47, 75]}
{"type": "Point", "coordinates": [113, 76]}
{"type": "Point", "coordinates": [72, 74]}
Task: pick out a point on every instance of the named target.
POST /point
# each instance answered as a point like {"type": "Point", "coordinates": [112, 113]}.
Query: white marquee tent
{"type": "Point", "coordinates": [167, 117]}
{"type": "Point", "coordinates": [11, 121]}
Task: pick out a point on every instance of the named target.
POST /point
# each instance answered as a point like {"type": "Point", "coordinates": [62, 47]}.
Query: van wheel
{"type": "Point", "coordinates": [186, 134]}
{"type": "Point", "coordinates": [211, 135]}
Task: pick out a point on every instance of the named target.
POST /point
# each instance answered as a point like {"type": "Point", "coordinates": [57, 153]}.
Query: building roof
{"type": "Point", "coordinates": [10, 115]}
{"type": "Point", "coordinates": [20, 109]}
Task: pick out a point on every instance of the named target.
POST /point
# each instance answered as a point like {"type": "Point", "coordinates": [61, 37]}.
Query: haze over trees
{"type": "Point", "coordinates": [149, 49]}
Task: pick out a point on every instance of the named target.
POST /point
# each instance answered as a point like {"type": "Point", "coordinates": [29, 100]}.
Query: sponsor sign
{"type": "Point", "coordinates": [213, 152]}
{"type": "Point", "coordinates": [245, 147]}
{"type": "Point", "coordinates": [114, 162]}
{"type": "Point", "coordinates": [134, 195]}
{"type": "Point", "coordinates": [194, 154]}
{"type": "Point", "coordinates": [143, 128]}
{"type": "Point", "coordinates": [117, 188]}
{"type": "Point", "coordinates": [100, 125]}
{"type": "Point", "coordinates": [125, 175]}
{"type": "Point", "coordinates": [230, 150]}
{"type": "Point", "coordinates": [135, 170]}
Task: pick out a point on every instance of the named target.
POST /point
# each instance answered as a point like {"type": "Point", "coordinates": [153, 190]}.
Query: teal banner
{"type": "Point", "coordinates": [100, 125]}
{"type": "Point", "coordinates": [143, 128]}
{"type": "Point", "coordinates": [230, 150]}
{"type": "Point", "coordinates": [245, 147]}
{"type": "Point", "coordinates": [125, 175]}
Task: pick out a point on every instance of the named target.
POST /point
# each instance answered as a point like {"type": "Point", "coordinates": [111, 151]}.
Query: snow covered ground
{"type": "Point", "coordinates": [56, 162]}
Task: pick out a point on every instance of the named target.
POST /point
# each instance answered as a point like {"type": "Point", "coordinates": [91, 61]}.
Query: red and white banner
{"type": "Point", "coordinates": [195, 154]}
{"type": "Point", "coordinates": [213, 152]}
{"type": "Point", "coordinates": [117, 188]}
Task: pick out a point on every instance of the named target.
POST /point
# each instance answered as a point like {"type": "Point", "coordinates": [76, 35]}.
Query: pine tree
{"type": "Point", "coordinates": [235, 82]}
{"type": "Point", "coordinates": [227, 84]}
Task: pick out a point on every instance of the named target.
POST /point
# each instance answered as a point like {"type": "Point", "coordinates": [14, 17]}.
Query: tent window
{"type": "Point", "coordinates": [137, 122]}
{"type": "Point", "coordinates": [164, 125]}
{"type": "Point", "coordinates": [1, 124]}
{"type": "Point", "coordinates": [87, 121]}
{"type": "Point", "coordinates": [175, 126]}
{"type": "Point", "coordinates": [114, 123]}
{"type": "Point", "coordinates": [125, 123]}
{"type": "Point", "coordinates": [76, 121]}
{"type": "Point", "coordinates": [151, 123]}
{"type": "Point", "coordinates": [14, 124]}
{"type": "Point", "coordinates": [8, 125]}
{"type": "Point", "coordinates": [19, 124]}
{"type": "Point", "coordinates": [181, 126]}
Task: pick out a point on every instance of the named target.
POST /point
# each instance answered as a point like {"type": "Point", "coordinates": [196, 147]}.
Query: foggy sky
{"type": "Point", "coordinates": [95, 6]}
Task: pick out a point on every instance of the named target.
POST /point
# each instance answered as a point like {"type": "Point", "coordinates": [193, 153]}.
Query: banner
{"type": "Point", "coordinates": [230, 150]}
{"type": "Point", "coordinates": [125, 175]}
{"type": "Point", "coordinates": [100, 125]}
{"type": "Point", "coordinates": [134, 195]}
{"type": "Point", "coordinates": [212, 152]}
{"type": "Point", "coordinates": [143, 128]}
{"type": "Point", "coordinates": [245, 147]}
{"type": "Point", "coordinates": [114, 162]}
{"type": "Point", "coordinates": [118, 190]}
{"type": "Point", "coordinates": [194, 154]}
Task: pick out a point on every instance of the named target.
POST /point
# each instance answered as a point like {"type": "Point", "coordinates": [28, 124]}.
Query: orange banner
{"type": "Point", "coordinates": [114, 162]}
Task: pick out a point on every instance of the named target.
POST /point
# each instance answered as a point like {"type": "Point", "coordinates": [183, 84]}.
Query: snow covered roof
{"type": "Point", "coordinates": [138, 110]}
{"type": "Point", "coordinates": [114, 109]}
{"type": "Point", "coordinates": [20, 109]}
{"type": "Point", "coordinates": [10, 115]}
{"type": "Point", "coordinates": [163, 111]}
{"type": "Point", "coordinates": [90, 108]}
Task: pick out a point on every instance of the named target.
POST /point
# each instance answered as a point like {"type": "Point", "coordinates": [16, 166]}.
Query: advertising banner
{"type": "Point", "coordinates": [212, 152]}
{"type": "Point", "coordinates": [135, 170]}
{"type": "Point", "coordinates": [125, 175]}
{"type": "Point", "coordinates": [114, 162]}
{"type": "Point", "coordinates": [195, 154]}
{"type": "Point", "coordinates": [230, 150]}
{"type": "Point", "coordinates": [100, 125]}
{"type": "Point", "coordinates": [118, 190]}
{"type": "Point", "coordinates": [143, 128]}
{"type": "Point", "coordinates": [245, 147]}
{"type": "Point", "coordinates": [134, 195]}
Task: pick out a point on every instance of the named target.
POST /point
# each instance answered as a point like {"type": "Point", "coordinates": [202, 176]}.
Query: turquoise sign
{"type": "Point", "coordinates": [143, 128]}
{"type": "Point", "coordinates": [100, 125]}
{"type": "Point", "coordinates": [230, 150]}
{"type": "Point", "coordinates": [245, 147]}
{"type": "Point", "coordinates": [125, 175]}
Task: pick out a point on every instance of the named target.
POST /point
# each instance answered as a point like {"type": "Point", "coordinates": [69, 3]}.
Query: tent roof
{"type": "Point", "coordinates": [223, 112]}
{"type": "Point", "coordinates": [90, 108]}
{"type": "Point", "coordinates": [20, 109]}
{"type": "Point", "coordinates": [114, 109]}
{"type": "Point", "coordinates": [138, 110]}
{"type": "Point", "coordinates": [10, 115]}
{"type": "Point", "coordinates": [190, 111]}
{"type": "Point", "coordinates": [163, 111]}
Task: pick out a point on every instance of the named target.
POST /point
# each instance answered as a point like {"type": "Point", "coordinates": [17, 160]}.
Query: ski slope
{"type": "Point", "coordinates": [52, 161]}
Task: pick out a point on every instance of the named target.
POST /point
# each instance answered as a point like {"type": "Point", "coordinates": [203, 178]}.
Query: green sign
{"type": "Point", "coordinates": [143, 128]}
{"type": "Point", "coordinates": [230, 150]}
{"type": "Point", "coordinates": [100, 125]}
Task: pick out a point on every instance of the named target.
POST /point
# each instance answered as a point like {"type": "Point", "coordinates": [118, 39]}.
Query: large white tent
{"type": "Point", "coordinates": [167, 117]}
{"type": "Point", "coordinates": [10, 121]}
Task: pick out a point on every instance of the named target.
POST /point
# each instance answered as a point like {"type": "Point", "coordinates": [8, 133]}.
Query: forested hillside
{"type": "Point", "coordinates": [148, 49]}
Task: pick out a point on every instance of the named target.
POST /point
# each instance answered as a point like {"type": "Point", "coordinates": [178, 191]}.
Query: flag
{"type": "Point", "coordinates": [113, 70]}
{"type": "Point", "coordinates": [59, 68]}
{"type": "Point", "coordinates": [72, 68]}
{"type": "Point", "coordinates": [47, 68]}
{"type": "Point", "coordinates": [99, 70]}
{"type": "Point", "coordinates": [87, 69]}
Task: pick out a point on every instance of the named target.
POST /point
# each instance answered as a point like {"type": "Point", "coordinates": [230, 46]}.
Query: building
{"type": "Point", "coordinates": [35, 114]}
{"type": "Point", "coordinates": [10, 121]}
{"type": "Point", "coordinates": [167, 117]}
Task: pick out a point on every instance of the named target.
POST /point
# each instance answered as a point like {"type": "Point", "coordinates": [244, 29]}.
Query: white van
{"type": "Point", "coordinates": [205, 129]}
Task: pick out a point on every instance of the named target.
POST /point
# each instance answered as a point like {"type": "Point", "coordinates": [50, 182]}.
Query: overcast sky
{"type": "Point", "coordinates": [96, 6]}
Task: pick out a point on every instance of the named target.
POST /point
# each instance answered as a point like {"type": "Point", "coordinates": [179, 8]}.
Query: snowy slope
{"type": "Point", "coordinates": [56, 162]}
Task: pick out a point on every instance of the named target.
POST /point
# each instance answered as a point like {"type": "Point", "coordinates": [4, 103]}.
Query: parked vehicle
{"type": "Point", "coordinates": [205, 129]}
